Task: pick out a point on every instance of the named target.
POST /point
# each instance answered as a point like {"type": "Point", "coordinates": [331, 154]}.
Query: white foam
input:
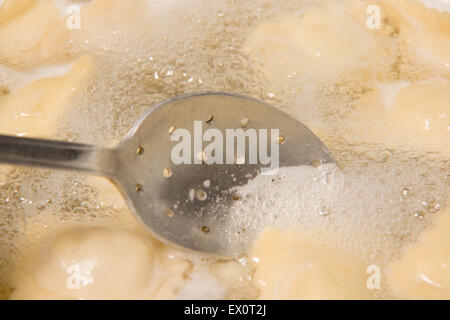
{"type": "Point", "coordinates": [441, 5]}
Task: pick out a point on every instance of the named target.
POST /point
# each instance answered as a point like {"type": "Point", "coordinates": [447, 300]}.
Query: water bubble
{"type": "Point", "coordinates": [431, 205]}
{"type": "Point", "coordinates": [324, 211]}
{"type": "Point", "coordinates": [419, 215]}
{"type": "Point", "coordinates": [236, 196]}
{"type": "Point", "coordinates": [191, 194]}
{"type": "Point", "coordinates": [405, 192]}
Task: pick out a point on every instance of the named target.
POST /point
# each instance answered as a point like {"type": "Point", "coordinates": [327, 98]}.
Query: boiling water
{"type": "Point", "coordinates": [380, 199]}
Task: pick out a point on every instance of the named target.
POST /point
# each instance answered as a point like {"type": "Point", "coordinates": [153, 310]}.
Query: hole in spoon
{"type": "Point", "coordinates": [167, 172]}
{"type": "Point", "coordinates": [209, 118]}
{"type": "Point", "coordinates": [280, 140]}
{"type": "Point", "coordinates": [235, 196]}
{"type": "Point", "coordinates": [205, 229]}
{"type": "Point", "coordinates": [171, 130]}
{"type": "Point", "coordinates": [200, 194]}
{"type": "Point", "coordinates": [316, 163]}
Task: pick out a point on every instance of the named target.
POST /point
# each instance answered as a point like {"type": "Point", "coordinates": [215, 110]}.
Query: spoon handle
{"type": "Point", "coordinates": [57, 155]}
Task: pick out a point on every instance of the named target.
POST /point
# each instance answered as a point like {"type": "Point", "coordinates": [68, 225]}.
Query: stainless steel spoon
{"type": "Point", "coordinates": [184, 204]}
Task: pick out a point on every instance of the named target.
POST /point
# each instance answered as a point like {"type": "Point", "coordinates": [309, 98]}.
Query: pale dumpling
{"type": "Point", "coordinates": [426, 32]}
{"type": "Point", "coordinates": [92, 263]}
{"type": "Point", "coordinates": [36, 109]}
{"type": "Point", "coordinates": [24, 33]}
{"type": "Point", "coordinates": [423, 272]}
{"type": "Point", "coordinates": [319, 39]}
{"type": "Point", "coordinates": [414, 115]}
{"type": "Point", "coordinates": [421, 114]}
{"type": "Point", "coordinates": [288, 267]}
{"type": "Point", "coordinates": [11, 9]}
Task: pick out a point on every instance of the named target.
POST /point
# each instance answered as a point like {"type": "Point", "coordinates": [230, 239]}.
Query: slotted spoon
{"type": "Point", "coordinates": [178, 203]}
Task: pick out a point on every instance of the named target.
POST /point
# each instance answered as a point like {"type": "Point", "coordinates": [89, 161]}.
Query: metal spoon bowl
{"type": "Point", "coordinates": [179, 202]}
